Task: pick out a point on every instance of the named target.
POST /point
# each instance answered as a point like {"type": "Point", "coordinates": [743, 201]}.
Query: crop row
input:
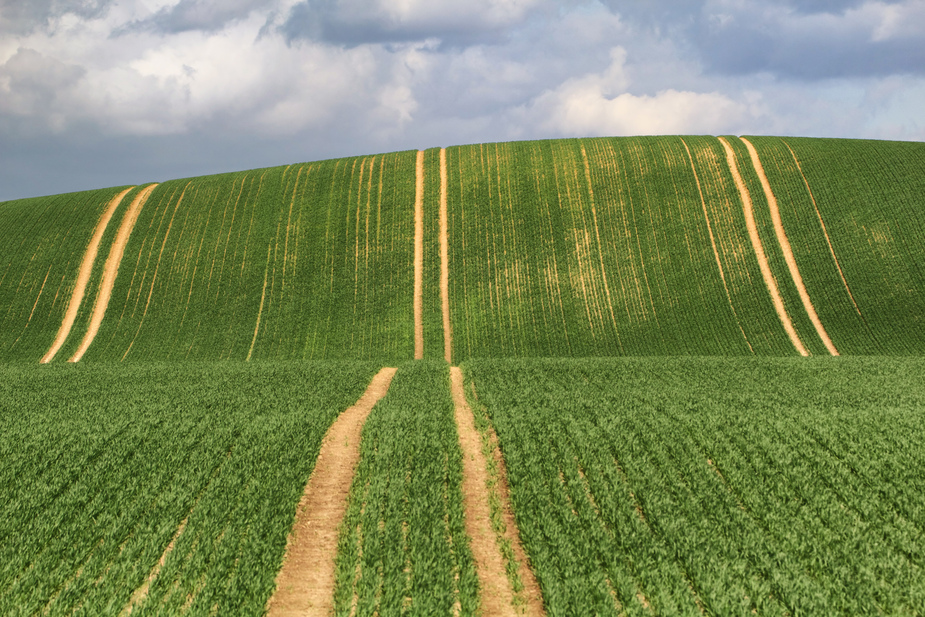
{"type": "Point", "coordinates": [403, 547]}
{"type": "Point", "coordinates": [724, 486]}
{"type": "Point", "coordinates": [164, 487]}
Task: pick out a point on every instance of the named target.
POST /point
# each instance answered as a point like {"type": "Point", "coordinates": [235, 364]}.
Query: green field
{"type": "Point", "coordinates": [715, 485]}
{"type": "Point", "coordinates": [629, 314]}
{"type": "Point", "coordinates": [105, 466]}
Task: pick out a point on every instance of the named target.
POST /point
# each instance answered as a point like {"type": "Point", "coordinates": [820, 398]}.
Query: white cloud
{"type": "Point", "coordinates": [599, 104]}
{"type": "Point", "coordinates": [244, 83]}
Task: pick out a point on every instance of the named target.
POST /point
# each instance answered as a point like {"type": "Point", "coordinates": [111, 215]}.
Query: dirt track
{"type": "Point", "coordinates": [419, 257]}
{"type": "Point", "coordinates": [444, 264]}
{"type": "Point", "coordinates": [763, 264]}
{"type": "Point", "coordinates": [305, 583]}
{"type": "Point", "coordinates": [111, 269]}
{"type": "Point", "coordinates": [497, 597]}
{"type": "Point", "coordinates": [788, 250]}
{"type": "Point", "coordinates": [719, 263]}
{"type": "Point", "coordinates": [83, 277]}
{"type": "Point", "coordinates": [825, 232]}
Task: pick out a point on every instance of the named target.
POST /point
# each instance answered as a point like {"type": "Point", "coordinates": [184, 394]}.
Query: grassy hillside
{"type": "Point", "coordinates": [591, 247]}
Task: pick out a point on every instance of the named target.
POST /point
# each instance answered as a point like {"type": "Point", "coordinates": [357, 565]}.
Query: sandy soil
{"type": "Point", "coordinates": [445, 264]}
{"type": "Point", "coordinates": [497, 597]}
{"type": "Point", "coordinates": [419, 257]}
{"type": "Point", "coordinates": [111, 269]}
{"type": "Point", "coordinates": [305, 583]}
{"type": "Point", "coordinates": [83, 277]}
{"type": "Point", "coordinates": [763, 264]}
{"type": "Point", "coordinates": [788, 250]}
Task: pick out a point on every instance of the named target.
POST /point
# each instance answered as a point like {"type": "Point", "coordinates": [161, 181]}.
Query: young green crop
{"type": "Point", "coordinates": [41, 247]}
{"type": "Point", "coordinates": [105, 466]}
{"type": "Point", "coordinates": [403, 547]}
{"type": "Point", "coordinates": [713, 485]}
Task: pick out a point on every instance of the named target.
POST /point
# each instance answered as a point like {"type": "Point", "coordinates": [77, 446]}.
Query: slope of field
{"type": "Point", "coordinates": [581, 247]}
{"type": "Point", "coordinates": [715, 486]}
{"type": "Point", "coordinates": [855, 212]}
{"type": "Point", "coordinates": [172, 491]}
{"type": "Point", "coordinates": [42, 244]}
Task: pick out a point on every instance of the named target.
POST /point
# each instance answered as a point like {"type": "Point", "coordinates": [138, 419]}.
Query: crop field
{"type": "Point", "coordinates": [43, 242]}
{"type": "Point", "coordinates": [167, 488]}
{"type": "Point", "coordinates": [403, 549]}
{"type": "Point", "coordinates": [646, 329]}
{"type": "Point", "coordinates": [581, 247]}
{"type": "Point", "coordinates": [715, 485]}
{"type": "Point", "coordinates": [641, 246]}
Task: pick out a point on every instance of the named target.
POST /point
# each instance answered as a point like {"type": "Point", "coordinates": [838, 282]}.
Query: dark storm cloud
{"type": "Point", "coordinates": [358, 22]}
{"type": "Point", "coordinates": [34, 82]}
{"type": "Point", "coordinates": [802, 39]}
{"type": "Point", "coordinates": [203, 15]}
{"type": "Point", "coordinates": [23, 17]}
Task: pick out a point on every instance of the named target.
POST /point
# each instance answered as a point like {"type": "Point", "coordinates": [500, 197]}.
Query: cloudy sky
{"type": "Point", "coordinates": [97, 93]}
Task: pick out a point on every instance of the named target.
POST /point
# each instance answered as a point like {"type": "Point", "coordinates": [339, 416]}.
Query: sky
{"type": "Point", "coordinates": [99, 93]}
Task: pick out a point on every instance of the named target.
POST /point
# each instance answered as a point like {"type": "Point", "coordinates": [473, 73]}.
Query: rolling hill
{"type": "Point", "coordinates": [183, 363]}
{"type": "Point", "coordinates": [590, 247]}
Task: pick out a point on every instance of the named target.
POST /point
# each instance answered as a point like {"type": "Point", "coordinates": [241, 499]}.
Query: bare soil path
{"type": "Point", "coordinates": [788, 250]}
{"type": "Point", "coordinates": [419, 257]}
{"type": "Point", "coordinates": [83, 277]}
{"type": "Point", "coordinates": [141, 593]}
{"type": "Point", "coordinates": [445, 264]}
{"type": "Point", "coordinates": [497, 596]}
{"type": "Point", "coordinates": [305, 583]}
{"type": "Point", "coordinates": [111, 269]}
{"type": "Point", "coordinates": [763, 264]}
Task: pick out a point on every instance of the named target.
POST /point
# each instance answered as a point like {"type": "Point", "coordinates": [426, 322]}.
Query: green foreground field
{"type": "Point", "coordinates": [666, 486]}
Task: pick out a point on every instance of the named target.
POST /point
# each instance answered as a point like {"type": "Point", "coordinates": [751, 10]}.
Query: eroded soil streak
{"type": "Point", "coordinates": [763, 264]}
{"type": "Point", "coordinates": [111, 269]}
{"type": "Point", "coordinates": [305, 583]}
{"type": "Point", "coordinates": [497, 597]}
{"type": "Point", "coordinates": [83, 277]}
